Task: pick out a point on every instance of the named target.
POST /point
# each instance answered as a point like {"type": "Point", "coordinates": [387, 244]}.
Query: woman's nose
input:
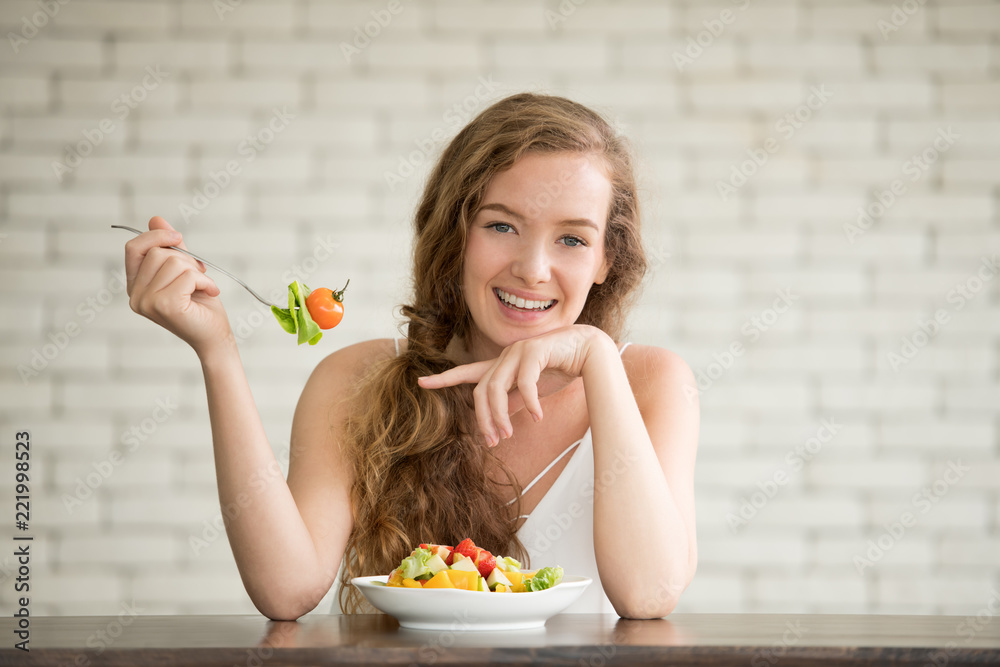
{"type": "Point", "coordinates": [532, 264]}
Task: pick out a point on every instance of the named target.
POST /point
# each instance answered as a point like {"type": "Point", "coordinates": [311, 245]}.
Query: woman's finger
{"type": "Point", "coordinates": [179, 291]}
{"type": "Point", "coordinates": [156, 222]}
{"type": "Point", "coordinates": [189, 283]}
{"type": "Point", "coordinates": [137, 250]}
{"type": "Point", "coordinates": [528, 374]}
{"type": "Point", "coordinates": [466, 373]}
{"type": "Point", "coordinates": [170, 270]}
{"type": "Point", "coordinates": [484, 415]}
{"type": "Point", "coordinates": [153, 259]}
{"type": "Point", "coordinates": [500, 383]}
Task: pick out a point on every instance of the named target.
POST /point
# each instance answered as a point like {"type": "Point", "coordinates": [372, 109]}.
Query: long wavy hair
{"type": "Point", "coordinates": [420, 472]}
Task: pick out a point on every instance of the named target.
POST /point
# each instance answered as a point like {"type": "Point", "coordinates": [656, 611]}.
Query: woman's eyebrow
{"type": "Point", "coordinates": [576, 222]}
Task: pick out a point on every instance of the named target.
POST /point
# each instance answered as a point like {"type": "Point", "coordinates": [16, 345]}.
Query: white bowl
{"type": "Point", "coordinates": [451, 609]}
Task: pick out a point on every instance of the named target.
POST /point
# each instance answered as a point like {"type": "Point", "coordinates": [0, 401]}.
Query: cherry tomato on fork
{"type": "Point", "coordinates": [326, 306]}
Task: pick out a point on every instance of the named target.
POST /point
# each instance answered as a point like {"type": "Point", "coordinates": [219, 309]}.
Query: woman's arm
{"type": "Point", "coordinates": [282, 535]}
{"type": "Point", "coordinates": [287, 537]}
{"type": "Point", "coordinates": [645, 440]}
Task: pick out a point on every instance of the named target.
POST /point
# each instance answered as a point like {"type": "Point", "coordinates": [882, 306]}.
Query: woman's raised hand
{"type": "Point", "coordinates": [171, 289]}
{"type": "Point", "coordinates": [524, 372]}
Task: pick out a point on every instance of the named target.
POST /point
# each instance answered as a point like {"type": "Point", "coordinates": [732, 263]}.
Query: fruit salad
{"type": "Point", "coordinates": [469, 568]}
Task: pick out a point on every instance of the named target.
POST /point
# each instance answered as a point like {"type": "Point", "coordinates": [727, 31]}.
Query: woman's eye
{"type": "Point", "coordinates": [575, 241]}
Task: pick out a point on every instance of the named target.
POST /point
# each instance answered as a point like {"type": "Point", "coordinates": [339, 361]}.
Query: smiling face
{"type": "Point", "coordinates": [537, 239]}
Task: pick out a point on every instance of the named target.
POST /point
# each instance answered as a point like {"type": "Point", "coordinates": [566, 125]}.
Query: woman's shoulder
{"type": "Point", "coordinates": [651, 369]}
{"type": "Point", "coordinates": [354, 359]}
{"type": "Point", "coordinates": [639, 352]}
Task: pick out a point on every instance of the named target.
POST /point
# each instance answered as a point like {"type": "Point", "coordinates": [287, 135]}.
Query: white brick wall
{"type": "Point", "coordinates": [718, 262]}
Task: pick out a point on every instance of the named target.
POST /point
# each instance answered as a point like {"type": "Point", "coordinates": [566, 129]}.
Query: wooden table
{"type": "Point", "coordinates": [758, 640]}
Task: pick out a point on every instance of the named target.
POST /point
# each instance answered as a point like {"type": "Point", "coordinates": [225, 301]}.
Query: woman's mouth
{"type": "Point", "coordinates": [515, 303]}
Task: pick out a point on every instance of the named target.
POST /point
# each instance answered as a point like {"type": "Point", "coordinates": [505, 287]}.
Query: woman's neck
{"type": "Point", "coordinates": [480, 350]}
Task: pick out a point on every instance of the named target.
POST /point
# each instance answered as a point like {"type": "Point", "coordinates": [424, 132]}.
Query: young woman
{"type": "Point", "coordinates": [509, 414]}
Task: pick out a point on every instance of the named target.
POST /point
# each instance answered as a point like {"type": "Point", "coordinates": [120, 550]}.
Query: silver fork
{"type": "Point", "coordinates": [217, 268]}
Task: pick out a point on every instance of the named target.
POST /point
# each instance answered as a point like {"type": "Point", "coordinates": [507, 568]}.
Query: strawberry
{"type": "Point", "coordinates": [467, 548]}
{"type": "Point", "coordinates": [485, 561]}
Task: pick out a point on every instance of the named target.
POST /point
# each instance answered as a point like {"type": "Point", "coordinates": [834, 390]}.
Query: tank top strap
{"type": "Point", "coordinates": [565, 451]}
{"type": "Point", "coordinates": [396, 341]}
{"type": "Point", "coordinates": [549, 466]}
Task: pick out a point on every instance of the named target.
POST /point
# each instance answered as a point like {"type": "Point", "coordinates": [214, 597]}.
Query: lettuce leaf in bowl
{"type": "Point", "coordinates": [547, 577]}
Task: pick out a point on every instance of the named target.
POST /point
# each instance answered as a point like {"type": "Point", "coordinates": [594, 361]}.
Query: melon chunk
{"type": "Point", "coordinates": [464, 579]}
{"type": "Point", "coordinates": [440, 580]}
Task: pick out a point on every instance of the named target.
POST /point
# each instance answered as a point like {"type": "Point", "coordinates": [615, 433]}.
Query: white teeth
{"type": "Point", "coordinates": [522, 303]}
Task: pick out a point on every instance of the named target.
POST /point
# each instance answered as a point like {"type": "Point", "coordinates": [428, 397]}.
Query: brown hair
{"type": "Point", "coordinates": [421, 473]}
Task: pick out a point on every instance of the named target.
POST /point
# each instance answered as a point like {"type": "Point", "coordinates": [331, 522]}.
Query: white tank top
{"type": "Point", "coordinates": [560, 530]}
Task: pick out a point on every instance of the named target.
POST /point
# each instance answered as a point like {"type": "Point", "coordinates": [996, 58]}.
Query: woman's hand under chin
{"type": "Point", "coordinates": [525, 371]}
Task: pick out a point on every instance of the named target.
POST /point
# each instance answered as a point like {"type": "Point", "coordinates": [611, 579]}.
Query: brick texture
{"type": "Point", "coordinates": [113, 111]}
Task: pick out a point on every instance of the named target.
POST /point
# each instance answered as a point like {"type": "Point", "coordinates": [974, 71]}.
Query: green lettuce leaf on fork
{"type": "Point", "coordinates": [296, 318]}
